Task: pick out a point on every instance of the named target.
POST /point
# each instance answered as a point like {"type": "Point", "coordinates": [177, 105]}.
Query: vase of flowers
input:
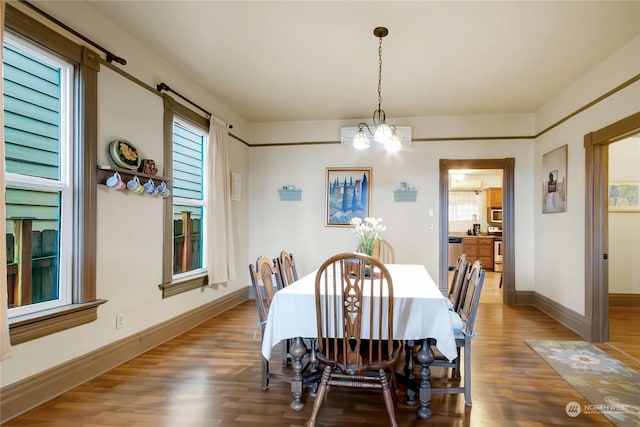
{"type": "Point", "coordinates": [368, 232]}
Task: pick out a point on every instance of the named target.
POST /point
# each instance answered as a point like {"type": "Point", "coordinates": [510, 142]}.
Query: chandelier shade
{"type": "Point", "coordinates": [362, 138]}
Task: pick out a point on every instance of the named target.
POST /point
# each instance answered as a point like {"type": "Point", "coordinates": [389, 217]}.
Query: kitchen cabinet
{"type": "Point", "coordinates": [494, 197]}
{"type": "Point", "coordinates": [479, 248]}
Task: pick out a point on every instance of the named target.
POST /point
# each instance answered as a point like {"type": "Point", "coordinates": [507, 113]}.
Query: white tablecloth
{"type": "Point", "coordinates": [420, 310]}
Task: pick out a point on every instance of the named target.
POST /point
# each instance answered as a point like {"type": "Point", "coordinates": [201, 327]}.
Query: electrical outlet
{"type": "Point", "coordinates": [119, 320]}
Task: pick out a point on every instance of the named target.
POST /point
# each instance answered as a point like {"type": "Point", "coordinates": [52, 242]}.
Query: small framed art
{"type": "Point", "coordinates": [236, 186]}
{"type": "Point", "coordinates": [624, 196]}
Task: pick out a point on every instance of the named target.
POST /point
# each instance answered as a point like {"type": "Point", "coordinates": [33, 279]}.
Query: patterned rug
{"type": "Point", "coordinates": [612, 388]}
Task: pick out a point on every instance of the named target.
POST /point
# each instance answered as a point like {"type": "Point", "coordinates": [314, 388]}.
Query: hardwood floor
{"type": "Point", "coordinates": [210, 376]}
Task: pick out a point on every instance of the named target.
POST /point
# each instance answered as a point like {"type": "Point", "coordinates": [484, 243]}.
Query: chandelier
{"type": "Point", "coordinates": [382, 132]}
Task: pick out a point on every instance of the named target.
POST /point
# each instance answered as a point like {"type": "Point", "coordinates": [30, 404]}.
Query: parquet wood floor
{"type": "Point", "coordinates": [210, 376]}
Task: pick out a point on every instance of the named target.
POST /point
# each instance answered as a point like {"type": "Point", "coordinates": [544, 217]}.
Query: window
{"type": "Point", "coordinates": [49, 92]}
{"type": "Point", "coordinates": [186, 139]}
{"type": "Point", "coordinates": [39, 192]}
{"type": "Point", "coordinates": [189, 195]}
{"type": "Point", "coordinates": [464, 205]}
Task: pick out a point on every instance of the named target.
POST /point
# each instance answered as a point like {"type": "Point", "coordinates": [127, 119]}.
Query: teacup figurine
{"type": "Point", "coordinates": [134, 185]}
{"type": "Point", "coordinates": [163, 190]}
{"type": "Point", "coordinates": [150, 187]}
{"type": "Point", "coordinates": [115, 181]}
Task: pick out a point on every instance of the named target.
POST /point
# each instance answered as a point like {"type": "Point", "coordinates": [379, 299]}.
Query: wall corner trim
{"type": "Point", "coordinates": [578, 323]}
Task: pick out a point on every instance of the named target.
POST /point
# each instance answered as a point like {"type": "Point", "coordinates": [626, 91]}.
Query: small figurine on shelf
{"type": "Point", "coordinates": [148, 166]}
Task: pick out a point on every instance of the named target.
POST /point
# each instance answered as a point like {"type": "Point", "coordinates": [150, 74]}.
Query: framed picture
{"type": "Point", "coordinates": [236, 186]}
{"type": "Point", "coordinates": [348, 195]}
{"type": "Point", "coordinates": [624, 196]}
{"type": "Point", "coordinates": [554, 182]}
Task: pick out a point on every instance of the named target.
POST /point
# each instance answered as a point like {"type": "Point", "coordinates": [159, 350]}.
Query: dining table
{"type": "Point", "coordinates": [420, 318]}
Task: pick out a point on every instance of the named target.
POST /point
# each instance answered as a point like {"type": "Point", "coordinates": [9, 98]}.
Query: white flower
{"type": "Point", "coordinates": [368, 232]}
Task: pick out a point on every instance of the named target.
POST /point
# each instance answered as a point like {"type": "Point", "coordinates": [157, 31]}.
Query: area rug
{"type": "Point", "coordinates": [612, 388]}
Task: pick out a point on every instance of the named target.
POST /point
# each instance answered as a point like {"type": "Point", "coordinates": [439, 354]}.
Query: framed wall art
{"type": "Point", "coordinates": [348, 195]}
{"type": "Point", "coordinates": [624, 196]}
{"type": "Point", "coordinates": [554, 182]}
{"type": "Point", "coordinates": [236, 186]}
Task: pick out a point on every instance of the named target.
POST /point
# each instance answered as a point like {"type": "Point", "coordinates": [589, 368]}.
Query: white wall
{"type": "Point", "coordinates": [624, 227]}
{"type": "Point", "coordinates": [559, 258]}
{"type": "Point", "coordinates": [299, 226]}
{"type": "Point", "coordinates": [129, 235]}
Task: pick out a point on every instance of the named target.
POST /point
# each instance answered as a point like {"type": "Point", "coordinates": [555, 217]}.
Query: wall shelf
{"type": "Point", "coordinates": [290, 195]}
{"type": "Point", "coordinates": [405, 195]}
{"type": "Point", "coordinates": [105, 171]}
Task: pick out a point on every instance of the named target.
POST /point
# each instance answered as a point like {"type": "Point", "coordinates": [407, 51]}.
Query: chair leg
{"type": "Point", "coordinates": [322, 392]}
{"type": "Point", "coordinates": [388, 399]}
{"type": "Point", "coordinates": [313, 360]}
{"type": "Point", "coordinates": [394, 386]}
{"type": "Point", "coordinates": [467, 373]}
{"type": "Point", "coordinates": [456, 370]}
{"type": "Point", "coordinates": [265, 373]}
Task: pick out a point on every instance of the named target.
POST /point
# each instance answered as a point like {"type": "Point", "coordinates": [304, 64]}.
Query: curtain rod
{"type": "Point", "coordinates": [110, 55]}
{"type": "Point", "coordinates": [163, 86]}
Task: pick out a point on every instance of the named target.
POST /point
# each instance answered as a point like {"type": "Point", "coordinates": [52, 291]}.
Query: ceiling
{"type": "Point", "coordinates": [318, 60]}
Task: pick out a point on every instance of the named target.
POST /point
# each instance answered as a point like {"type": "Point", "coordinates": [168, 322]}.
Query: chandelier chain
{"type": "Point", "coordinates": [380, 75]}
{"type": "Point", "coordinates": [382, 132]}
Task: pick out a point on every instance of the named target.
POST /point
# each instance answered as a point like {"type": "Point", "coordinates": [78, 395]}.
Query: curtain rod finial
{"type": "Point", "coordinates": [111, 58]}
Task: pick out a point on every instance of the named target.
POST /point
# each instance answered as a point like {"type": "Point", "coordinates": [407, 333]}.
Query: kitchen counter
{"type": "Point", "coordinates": [479, 247]}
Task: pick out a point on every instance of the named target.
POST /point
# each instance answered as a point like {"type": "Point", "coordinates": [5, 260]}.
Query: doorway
{"type": "Point", "coordinates": [624, 243]}
{"type": "Point", "coordinates": [507, 166]}
{"type": "Point", "coordinates": [475, 224]}
{"type": "Point", "coordinates": [596, 222]}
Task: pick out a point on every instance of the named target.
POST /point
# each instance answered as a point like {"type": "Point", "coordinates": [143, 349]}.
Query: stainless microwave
{"type": "Point", "coordinates": [495, 215]}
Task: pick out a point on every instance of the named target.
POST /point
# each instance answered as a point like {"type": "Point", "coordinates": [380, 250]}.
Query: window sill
{"type": "Point", "coordinates": [36, 325]}
{"type": "Point", "coordinates": [175, 288]}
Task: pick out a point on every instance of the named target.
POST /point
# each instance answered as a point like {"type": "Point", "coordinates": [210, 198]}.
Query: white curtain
{"type": "Point", "coordinates": [221, 262]}
{"type": "Point", "coordinates": [463, 205]}
{"type": "Point", "coordinates": [5, 341]}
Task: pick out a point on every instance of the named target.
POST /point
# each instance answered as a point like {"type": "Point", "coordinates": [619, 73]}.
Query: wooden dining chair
{"type": "Point", "coordinates": [266, 281]}
{"type": "Point", "coordinates": [384, 252]}
{"type": "Point", "coordinates": [456, 290]}
{"type": "Point", "coordinates": [467, 312]}
{"type": "Point", "coordinates": [287, 268]}
{"type": "Point", "coordinates": [354, 312]}
{"type": "Point", "coordinates": [288, 274]}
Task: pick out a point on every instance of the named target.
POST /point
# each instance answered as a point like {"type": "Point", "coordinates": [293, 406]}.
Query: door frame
{"type": "Point", "coordinates": [508, 224]}
{"type": "Point", "coordinates": [596, 145]}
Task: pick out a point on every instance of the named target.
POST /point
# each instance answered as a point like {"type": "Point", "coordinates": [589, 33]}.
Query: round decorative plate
{"type": "Point", "coordinates": [124, 154]}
